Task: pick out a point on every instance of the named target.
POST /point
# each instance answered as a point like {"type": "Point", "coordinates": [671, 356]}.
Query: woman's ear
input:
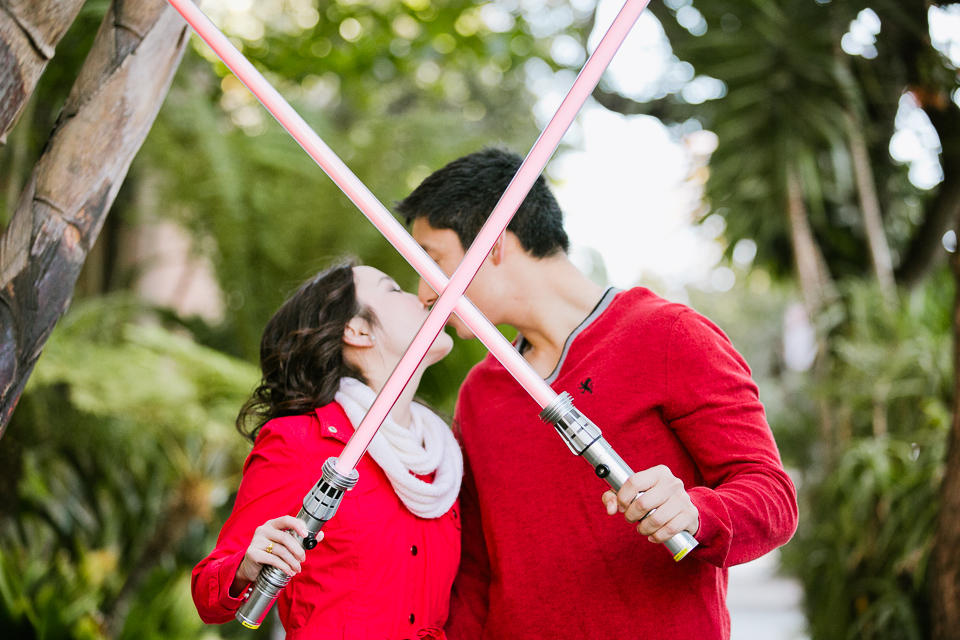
{"type": "Point", "coordinates": [358, 333]}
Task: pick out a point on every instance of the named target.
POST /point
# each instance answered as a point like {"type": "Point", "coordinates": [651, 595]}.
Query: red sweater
{"type": "Point", "coordinates": [542, 559]}
{"type": "Point", "coordinates": [380, 571]}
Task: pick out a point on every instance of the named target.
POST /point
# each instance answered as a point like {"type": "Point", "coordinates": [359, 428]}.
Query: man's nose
{"type": "Point", "coordinates": [427, 295]}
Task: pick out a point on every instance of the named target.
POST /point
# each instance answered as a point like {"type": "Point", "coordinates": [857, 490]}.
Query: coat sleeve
{"type": "Point", "coordinates": [272, 486]}
{"type": "Point", "coordinates": [470, 599]}
{"type": "Point", "coordinates": [747, 503]}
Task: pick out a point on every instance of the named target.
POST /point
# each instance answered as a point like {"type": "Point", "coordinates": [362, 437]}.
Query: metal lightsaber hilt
{"type": "Point", "coordinates": [585, 440]}
{"type": "Point", "coordinates": [319, 507]}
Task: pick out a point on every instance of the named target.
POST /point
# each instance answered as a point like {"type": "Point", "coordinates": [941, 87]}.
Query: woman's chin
{"type": "Point", "coordinates": [441, 348]}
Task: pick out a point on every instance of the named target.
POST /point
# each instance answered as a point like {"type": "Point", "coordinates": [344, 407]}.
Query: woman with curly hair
{"type": "Point", "coordinates": [385, 564]}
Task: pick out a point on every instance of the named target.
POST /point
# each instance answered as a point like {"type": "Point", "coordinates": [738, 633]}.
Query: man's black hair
{"type": "Point", "coordinates": [462, 195]}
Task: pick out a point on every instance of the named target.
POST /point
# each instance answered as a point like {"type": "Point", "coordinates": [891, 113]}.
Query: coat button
{"type": "Point", "coordinates": [413, 550]}
{"type": "Point", "coordinates": [411, 618]}
{"type": "Point", "coordinates": [332, 429]}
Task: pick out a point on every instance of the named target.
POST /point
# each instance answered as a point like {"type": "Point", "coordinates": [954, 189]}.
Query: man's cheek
{"type": "Point", "coordinates": [463, 331]}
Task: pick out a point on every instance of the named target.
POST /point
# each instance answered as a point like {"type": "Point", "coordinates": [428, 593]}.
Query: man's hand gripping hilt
{"type": "Point", "coordinates": [585, 440]}
{"type": "Point", "coordinates": [319, 506]}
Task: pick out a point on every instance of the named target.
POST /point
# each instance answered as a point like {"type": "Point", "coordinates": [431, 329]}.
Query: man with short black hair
{"type": "Point", "coordinates": [462, 195]}
{"type": "Point", "coordinates": [541, 559]}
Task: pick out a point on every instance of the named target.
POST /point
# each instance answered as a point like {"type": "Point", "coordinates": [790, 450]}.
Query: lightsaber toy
{"type": "Point", "coordinates": [580, 434]}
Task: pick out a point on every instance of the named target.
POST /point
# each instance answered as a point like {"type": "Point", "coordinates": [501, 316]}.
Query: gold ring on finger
{"type": "Point", "coordinates": [269, 548]}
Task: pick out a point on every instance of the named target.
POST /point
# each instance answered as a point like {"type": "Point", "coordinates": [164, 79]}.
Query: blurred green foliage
{"type": "Point", "coordinates": [866, 428]}
{"type": "Point", "coordinates": [423, 84]}
{"type": "Point", "coordinates": [789, 95]}
{"type": "Point", "coordinates": [871, 486]}
{"type": "Point", "coordinates": [270, 215]}
{"type": "Point", "coordinates": [116, 462]}
{"type": "Point", "coordinates": [869, 481]}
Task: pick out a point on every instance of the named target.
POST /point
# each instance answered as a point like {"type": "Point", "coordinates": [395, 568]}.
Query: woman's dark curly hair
{"type": "Point", "coordinates": [301, 353]}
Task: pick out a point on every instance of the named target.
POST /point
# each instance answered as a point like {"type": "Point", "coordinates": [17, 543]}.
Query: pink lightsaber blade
{"type": "Point", "coordinates": [397, 235]}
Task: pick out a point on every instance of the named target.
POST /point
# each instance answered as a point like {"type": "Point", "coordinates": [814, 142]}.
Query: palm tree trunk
{"type": "Point", "coordinates": [945, 560]}
{"type": "Point", "coordinates": [815, 281]}
{"type": "Point", "coordinates": [814, 276]}
{"type": "Point", "coordinates": [870, 207]}
{"type": "Point", "coordinates": [29, 33]}
{"type": "Point", "coordinates": [14, 171]}
{"type": "Point", "coordinates": [109, 112]}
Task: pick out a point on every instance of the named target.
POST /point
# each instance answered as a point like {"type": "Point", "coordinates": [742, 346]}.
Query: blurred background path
{"type": "Point", "coordinates": [764, 605]}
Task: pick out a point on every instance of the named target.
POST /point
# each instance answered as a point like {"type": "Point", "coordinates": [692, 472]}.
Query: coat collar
{"type": "Point", "coordinates": [334, 423]}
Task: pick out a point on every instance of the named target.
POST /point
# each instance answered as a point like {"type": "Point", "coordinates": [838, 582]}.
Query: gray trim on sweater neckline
{"type": "Point", "coordinates": [605, 301]}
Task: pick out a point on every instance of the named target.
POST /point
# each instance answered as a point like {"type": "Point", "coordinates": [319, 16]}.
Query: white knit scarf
{"type": "Point", "coordinates": [427, 446]}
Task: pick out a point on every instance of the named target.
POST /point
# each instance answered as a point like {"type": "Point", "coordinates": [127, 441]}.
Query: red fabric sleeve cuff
{"type": "Point", "coordinates": [224, 575]}
{"type": "Point", "coordinates": [715, 533]}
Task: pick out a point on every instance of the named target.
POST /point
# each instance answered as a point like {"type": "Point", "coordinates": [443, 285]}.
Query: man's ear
{"type": "Point", "coordinates": [499, 249]}
{"type": "Point", "coordinates": [358, 333]}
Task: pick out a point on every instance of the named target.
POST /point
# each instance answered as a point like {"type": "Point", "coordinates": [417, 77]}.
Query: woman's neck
{"type": "Point", "coordinates": [401, 408]}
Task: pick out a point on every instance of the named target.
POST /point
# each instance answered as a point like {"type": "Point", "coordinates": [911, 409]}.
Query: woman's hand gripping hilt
{"type": "Point", "coordinates": [319, 506]}
{"type": "Point", "coordinates": [584, 439]}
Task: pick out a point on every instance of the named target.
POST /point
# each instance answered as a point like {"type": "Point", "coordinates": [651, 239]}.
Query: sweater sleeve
{"type": "Point", "coordinates": [747, 503]}
{"type": "Point", "coordinates": [470, 599]}
{"type": "Point", "coordinates": [272, 486]}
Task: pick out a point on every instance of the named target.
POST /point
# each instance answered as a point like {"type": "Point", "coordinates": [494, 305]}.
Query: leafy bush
{"type": "Point", "coordinates": [870, 491]}
{"type": "Point", "coordinates": [116, 461]}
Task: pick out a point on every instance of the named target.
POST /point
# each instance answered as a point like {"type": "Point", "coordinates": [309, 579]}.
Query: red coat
{"type": "Point", "coordinates": [380, 571]}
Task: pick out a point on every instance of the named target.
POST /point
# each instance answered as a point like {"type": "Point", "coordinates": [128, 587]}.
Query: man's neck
{"type": "Point", "coordinates": [550, 300]}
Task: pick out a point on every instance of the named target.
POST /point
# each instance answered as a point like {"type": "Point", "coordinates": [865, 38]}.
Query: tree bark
{"type": "Point", "coordinates": [815, 281]}
{"type": "Point", "coordinates": [945, 558]}
{"type": "Point", "coordinates": [109, 112]}
{"type": "Point", "coordinates": [14, 171]}
{"type": "Point", "coordinates": [29, 33]}
{"type": "Point", "coordinates": [870, 208]}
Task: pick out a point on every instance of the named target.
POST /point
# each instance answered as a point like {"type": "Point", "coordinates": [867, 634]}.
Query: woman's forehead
{"type": "Point", "coordinates": [368, 275]}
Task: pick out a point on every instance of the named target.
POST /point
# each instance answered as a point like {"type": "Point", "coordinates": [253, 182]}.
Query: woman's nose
{"type": "Point", "coordinates": [427, 295]}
